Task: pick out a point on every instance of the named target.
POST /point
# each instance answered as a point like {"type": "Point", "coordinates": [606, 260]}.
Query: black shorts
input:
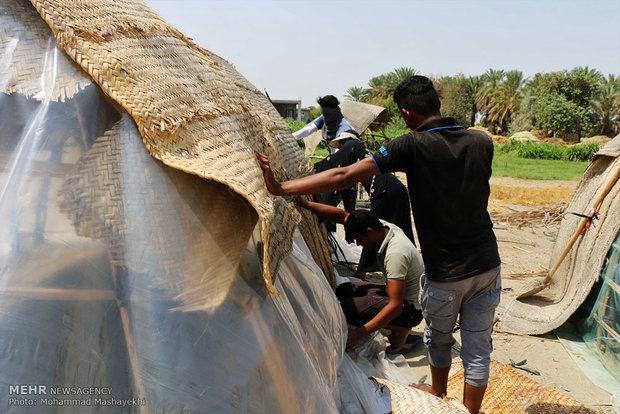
{"type": "Point", "coordinates": [362, 301]}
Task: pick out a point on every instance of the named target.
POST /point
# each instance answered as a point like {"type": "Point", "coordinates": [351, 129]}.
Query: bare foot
{"type": "Point", "coordinates": [398, 338]}
{"type": "Point", "coordinates": [423, 387]}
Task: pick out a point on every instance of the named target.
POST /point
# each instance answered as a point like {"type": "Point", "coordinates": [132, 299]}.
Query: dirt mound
{"type": "Point", "coordinates": [553, 141]}
{"type": "Point", "coordinates": [499, 139]}
{"type": "Point", "coordinates": [598, 139]}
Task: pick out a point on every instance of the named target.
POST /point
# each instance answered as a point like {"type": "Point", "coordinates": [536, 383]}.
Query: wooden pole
{"type": "Point", "coordinates": [57, 294]}
{"type": "Point", "coordinates": [131, 348]}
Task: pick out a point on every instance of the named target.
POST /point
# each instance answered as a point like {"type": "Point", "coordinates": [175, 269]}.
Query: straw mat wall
{"type": "Point", "coordinates": [194, 112]}
{"type": "Point", "coordinates": [575, 277]}
{"type": "Point", "coordinates": [26, 59]}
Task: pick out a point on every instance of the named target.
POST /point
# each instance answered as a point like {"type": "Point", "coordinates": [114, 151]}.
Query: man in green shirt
{"type": "Point", "coordinates": [368, 306]}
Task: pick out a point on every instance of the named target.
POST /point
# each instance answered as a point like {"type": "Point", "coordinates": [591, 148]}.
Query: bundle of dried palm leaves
{"type": "Point", "coordinates": [545, 216]}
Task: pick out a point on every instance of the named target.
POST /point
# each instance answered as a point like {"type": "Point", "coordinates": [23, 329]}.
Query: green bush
{"type": "Point", "coordinates": [395, 132]}
{"type": "Point", "coordinates": [510, 147]}
{"type": "Point", "coordinates": [295, 125]}
{"type": "Point", "coordinates": [583, 152]}
{"type": "Point", "coordinates": [541, 152]}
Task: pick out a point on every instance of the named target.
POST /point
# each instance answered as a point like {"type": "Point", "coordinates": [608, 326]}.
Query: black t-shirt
{"type": "Point", "coordinates": [448, 170]}
{"type": "Point", "coordinates": [352, 150]}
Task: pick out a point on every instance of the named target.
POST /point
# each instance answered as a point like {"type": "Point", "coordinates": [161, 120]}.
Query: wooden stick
{"type": "Point", "coordinates": [41, 168]}
{"type": "Point", "coordinates": [612, 180]}
{"type": "Point", "coordinates": [131, 348]}
{"type": "Point", "coordinates": [499, 239]}
{"type": "Point", "coordinates": [609, 185]}
{"type": "Point", "coordinates": [287, 397]}
{"type": "Point", "coordinates": [26, 292]}
{"type": "Point", "coordinates": [58, 294]}
{"type": "Point", "coordinates": [607, 328]}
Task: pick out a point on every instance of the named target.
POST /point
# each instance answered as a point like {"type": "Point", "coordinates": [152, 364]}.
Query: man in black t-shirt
{"type": "Point", "coordinates": [448, 169]}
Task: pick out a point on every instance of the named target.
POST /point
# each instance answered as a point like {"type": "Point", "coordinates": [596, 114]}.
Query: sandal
{"type": "Point", "coordinates": [414, 339]}
{"type": "Point", "coordinates": [398, 349]}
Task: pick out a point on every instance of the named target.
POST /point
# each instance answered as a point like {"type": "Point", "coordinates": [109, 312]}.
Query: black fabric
{"type": "Point", "coordinates": [331, 118]}
{"type": "Point", "coordinates": [362, 301]}
{"type": "Point", "coordinates": [448, 173]}
{"type": "Point", "coordinates": [352, 150]}
{"type": "Point", "coordinates": [388, 196]}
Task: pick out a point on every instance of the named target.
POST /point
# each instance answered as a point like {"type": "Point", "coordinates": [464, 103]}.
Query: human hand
{"type": "Point", "coordinates": [272, 184]}
{"type": "Point", "coordinates": [354, 337]}
{"type": "Point", "coordinates": [300, 201]}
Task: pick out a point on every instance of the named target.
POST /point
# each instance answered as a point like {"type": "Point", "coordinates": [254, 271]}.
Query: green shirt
{"type": "Point", "coordinates": [399, 259]}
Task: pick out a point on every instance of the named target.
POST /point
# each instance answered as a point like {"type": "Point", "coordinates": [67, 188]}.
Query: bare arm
{"type": "Point", "coordinates": [396, 296]}
{"type": "Point", "coordinates": [323, 211]}
{"type": "Point", "coordinates": [329, 180]}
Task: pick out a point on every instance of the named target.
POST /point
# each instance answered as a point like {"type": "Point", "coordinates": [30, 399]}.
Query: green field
{"type": "Point", "coordinates": [506, 165]}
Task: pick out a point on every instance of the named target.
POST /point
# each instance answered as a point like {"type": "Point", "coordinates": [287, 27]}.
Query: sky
{"type": "Point", "coordinates": [306, 49]}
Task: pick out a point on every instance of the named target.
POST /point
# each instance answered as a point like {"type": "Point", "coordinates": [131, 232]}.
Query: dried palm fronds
{"type": "Point", "coordinates": [545, 216]}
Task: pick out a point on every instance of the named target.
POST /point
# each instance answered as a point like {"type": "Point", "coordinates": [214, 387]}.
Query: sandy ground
{"type": "Point", "coordinates": [526, 248]}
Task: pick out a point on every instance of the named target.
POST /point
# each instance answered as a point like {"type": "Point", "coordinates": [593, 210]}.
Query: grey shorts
{"type": "Point", "coordinates": [475, 299]}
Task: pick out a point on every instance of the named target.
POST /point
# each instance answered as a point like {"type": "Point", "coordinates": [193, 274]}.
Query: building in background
{"type": "Point", "coordinates": [292, 110]}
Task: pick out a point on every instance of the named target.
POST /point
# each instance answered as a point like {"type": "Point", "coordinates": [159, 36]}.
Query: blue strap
{"type": "Point", "coordinates": [375, 161]}
{"type": "Point", "coordinates": [444, 127]}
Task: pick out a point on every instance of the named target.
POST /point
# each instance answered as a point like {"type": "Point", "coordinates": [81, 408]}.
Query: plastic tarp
{"type": "Point", "coordinates": [100, 247]}
{"type": "Point", "coordinates": [604, 321]}
{"type": "Point", "coordinates": [597, 351]}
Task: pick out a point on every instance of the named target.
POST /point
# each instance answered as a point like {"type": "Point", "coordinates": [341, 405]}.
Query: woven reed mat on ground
{"type": "Point", "coordinates": [510, 392]}
{"type": "Point", "coordinates": [29, 63]}
{"type": "Point", "coordinates": [190, 113]}
{"type": "Point", "coordinates": [408, 400]}
{"type": "Point", "coordinates": [581, 267]}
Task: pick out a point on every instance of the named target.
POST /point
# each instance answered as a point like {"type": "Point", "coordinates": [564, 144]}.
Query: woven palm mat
{"type": "Point", "coordinates": [186, 235]}
{"type": "Point", "coordinates": [581, 267]}
{"type": "Point", "coordinates": [191, 114]}
{"type": "Point", "coordinates": [313, 233]}
{"type": "Point", "coordinates": [510, 392]}
{"type": "Point", "coordinates": [408, 400]}
{"type": "Point", "coordinates": [30, 63]}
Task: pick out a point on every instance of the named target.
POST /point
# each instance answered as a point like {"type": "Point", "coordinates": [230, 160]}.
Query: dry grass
{"type": "Point", "coordinates": [545, 216]}
{"type": "Point", "coordinates": [530, 196]}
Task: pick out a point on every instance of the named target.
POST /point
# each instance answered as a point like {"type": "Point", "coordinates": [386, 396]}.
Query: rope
{"type": "Point", "coordinates": [590, 218]}
{"type": "Point", "coordinates": [335, 247]}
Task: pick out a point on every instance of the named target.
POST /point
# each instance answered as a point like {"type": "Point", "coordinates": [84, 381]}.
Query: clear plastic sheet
{"type": "Point", "coordinates": [593, 342]}
{"type": "Point", "coordinates": [603, 324]}
{"type": "Point", "coordinates": [121, 282]}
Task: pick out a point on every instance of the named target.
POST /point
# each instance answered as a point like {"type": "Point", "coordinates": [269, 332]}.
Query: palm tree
{"type": "Point", "coordinates": [404, 73]}
{"type": "Point", "coordinates": [357, 94]}
{"type": "Point", "coordinates": [606, 106]}
{"type": "Point", "coordinates": [491, 79]}
{"type": "Point", "coordinates": [474, 86]}
{"type": "Point", "coordinates": [503, 101]}
{"type": "Point", "coordinates": [382, 86]}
